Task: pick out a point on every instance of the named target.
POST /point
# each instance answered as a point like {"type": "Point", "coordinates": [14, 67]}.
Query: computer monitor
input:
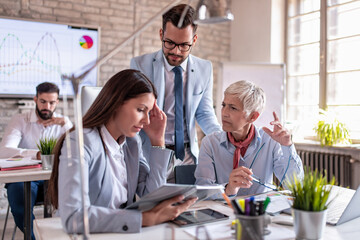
{"type": "Point", "coordinates": [88, 96]}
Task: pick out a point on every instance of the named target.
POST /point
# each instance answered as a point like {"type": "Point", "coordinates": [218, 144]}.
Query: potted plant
{"type": "Point", "coordinates": [46, 147]}
{"type": "Point", "coordinates": [310, 203]}
{"type": "Point", "coordinates": [330, 130]}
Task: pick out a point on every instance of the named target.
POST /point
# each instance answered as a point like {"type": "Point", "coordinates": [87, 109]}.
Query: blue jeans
{"type": "Point", "coordinates": [15, 192]}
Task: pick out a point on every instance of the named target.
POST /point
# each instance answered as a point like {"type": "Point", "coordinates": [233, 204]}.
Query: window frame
{"type": "Point", "coordinates": [323, 52]}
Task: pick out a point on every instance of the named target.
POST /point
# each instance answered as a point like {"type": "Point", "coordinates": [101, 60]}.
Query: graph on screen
{"type": "Point", "coordinates": [35, 52]}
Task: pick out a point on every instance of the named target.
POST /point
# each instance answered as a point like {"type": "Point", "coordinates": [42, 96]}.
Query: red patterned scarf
{"type": "Point", "coordinates": [241, 146]}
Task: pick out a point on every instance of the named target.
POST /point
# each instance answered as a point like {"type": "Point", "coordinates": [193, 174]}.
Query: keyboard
{"type": "Point", "coordinates": [339, 198]}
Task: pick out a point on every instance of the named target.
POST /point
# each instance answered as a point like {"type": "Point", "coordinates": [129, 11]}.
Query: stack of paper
{"type": "Point", "coordinates": [279, 201]}
{"type": "Point", "coordinates": [18, 163]}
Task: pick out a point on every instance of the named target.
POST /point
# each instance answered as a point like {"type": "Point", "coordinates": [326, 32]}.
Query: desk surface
{"type": "Point", "coordinates": [51, 228]}
{"type": "Point", "coordinates": [25, 175]}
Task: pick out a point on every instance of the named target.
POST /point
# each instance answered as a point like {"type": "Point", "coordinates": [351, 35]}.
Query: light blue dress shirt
{"type": "Point", "coordinates": [264, 156]}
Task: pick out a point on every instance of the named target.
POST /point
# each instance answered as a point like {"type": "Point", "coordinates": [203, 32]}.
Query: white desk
{"type": "Point", "coordinates": [51, 228]}
{"type": "Point", "coordinates": [26, 176]}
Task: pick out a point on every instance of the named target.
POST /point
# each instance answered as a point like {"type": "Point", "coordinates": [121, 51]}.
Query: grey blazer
{"type": "Point", "coordinates": [143, 177]}
{"type": "Point", "coordinates": [198, 102]}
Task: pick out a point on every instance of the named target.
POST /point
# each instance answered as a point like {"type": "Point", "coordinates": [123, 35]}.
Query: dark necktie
{"type": "Point", "coordinates": [179, 115]}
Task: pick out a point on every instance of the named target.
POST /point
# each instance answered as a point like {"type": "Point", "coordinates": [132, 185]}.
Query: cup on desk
{"type": "Point", "coordinates": [251, 227]}
{"type": "Point", "coordinates": [47, 161]}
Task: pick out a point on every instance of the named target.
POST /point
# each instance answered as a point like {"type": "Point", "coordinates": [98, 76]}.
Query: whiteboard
{"type": "Point", "coordinates": [270, 77]}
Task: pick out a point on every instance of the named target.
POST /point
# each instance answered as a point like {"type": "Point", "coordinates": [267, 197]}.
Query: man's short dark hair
{"type": "Point", "coordinates": [47, 87]}
{"type": "Point", "coordinates": [174, 14]}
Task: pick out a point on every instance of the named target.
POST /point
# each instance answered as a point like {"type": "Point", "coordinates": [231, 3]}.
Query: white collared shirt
{"type": "Point", "coordinates": [169, 101]}
{"type": "Point", "coordinates": [23, 132]}
{"type": "Point", "coordinates": [118, 169]}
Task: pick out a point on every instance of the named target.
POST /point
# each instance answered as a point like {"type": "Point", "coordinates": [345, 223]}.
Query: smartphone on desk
{"type": "Point", "coordinates": [200, 216]}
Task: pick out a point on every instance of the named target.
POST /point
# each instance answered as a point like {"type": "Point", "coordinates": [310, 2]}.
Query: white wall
{"type": "Point", "coordinates": [277, 31]}
{"type": "Point", "coordinates": [257, 32]}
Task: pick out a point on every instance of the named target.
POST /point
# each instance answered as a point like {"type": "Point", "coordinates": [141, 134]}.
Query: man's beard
{"type": "Point", "coordinates": [178, 63]}
{"type": "Point", "coordinates": [44, 114]}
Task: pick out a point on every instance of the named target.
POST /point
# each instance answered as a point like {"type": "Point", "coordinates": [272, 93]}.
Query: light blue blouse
{"type": "Point", "coordinates": [264, 156]}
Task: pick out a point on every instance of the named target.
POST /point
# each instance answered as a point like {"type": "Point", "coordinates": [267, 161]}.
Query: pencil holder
{"type": "Point", "coordinates": [251, 227]}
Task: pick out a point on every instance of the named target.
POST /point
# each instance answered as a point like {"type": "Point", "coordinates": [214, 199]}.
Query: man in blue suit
{"type": "Point", "coordinates": [184, 84]}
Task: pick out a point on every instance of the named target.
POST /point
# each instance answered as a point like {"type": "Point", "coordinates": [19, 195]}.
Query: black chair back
{"type": "Point", "coordinates": [184, 174]}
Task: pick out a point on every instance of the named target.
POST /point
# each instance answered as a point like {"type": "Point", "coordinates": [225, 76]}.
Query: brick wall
{"type": "Point", "coordinates": [117, 19]}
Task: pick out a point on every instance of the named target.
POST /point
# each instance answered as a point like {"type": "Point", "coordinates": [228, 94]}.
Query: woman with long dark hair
{"type": "Point", "coordinates": [115, 168]}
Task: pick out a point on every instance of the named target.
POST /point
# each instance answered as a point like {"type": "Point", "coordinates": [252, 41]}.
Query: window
{"type": "Point", "coordinates": [323, 62]}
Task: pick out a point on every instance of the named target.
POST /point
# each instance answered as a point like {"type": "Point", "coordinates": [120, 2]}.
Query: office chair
{"type": "Point", "coordinates": [39, 201]}
{"type": "Point", "coordinates": [88, 96]}
{"type": "Point", "coordinates": [184, 174]}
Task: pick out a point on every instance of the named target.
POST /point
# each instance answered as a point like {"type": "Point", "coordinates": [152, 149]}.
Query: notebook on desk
{"type": "Point", "coordinates": [18, 163]}
{"type": "Point", "coordinates": [344, 206]}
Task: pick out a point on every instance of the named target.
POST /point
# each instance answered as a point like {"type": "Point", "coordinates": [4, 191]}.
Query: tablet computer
{"type": "Point", "coordinates": [190, 218]}
{"type": "Point", "coordinates": [169, 190]}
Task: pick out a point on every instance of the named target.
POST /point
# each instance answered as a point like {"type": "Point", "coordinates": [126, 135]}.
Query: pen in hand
{"type": "Point", "coordinates": [256, 179]}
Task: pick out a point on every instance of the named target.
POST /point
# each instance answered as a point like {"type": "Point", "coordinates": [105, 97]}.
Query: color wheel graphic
{"type": "Point", "coordinates": [86, 42]}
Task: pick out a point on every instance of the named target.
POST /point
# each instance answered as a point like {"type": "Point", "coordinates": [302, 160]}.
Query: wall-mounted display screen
{"type": "Point", "coordinates": [34, 52]}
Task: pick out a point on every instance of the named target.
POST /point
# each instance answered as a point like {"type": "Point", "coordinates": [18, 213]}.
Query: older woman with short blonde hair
{"type": "Point", "coordinates": [242, 151]}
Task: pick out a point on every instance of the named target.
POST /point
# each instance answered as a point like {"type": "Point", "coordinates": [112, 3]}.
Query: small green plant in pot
{"type": "Point", "coordinates": [310, 202]}
{"type": "Point", "coordinates": [330, 130]}
{"type": "Point", "coordinates": [46, 147]}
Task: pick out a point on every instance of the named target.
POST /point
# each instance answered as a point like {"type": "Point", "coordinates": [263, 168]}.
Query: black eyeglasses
{"type": "Point", "coordinates": [183, 47]}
